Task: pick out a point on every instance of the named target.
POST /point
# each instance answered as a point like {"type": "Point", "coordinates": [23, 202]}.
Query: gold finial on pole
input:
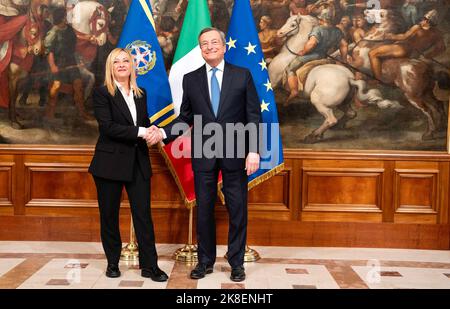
{"type": "Point", "coordinates": [130, 252]}
{"type": "Point", "coordinates": [188, 253]}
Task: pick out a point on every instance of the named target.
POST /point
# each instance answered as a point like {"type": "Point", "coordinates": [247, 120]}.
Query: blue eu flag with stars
{"type": "Point", "coordinates": [139, 36]}
{"type": "Point", "coordinates": [244, 50]}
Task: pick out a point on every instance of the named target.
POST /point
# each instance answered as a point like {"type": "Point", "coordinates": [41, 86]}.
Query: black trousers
{"type": "Point", "coordinates": [138, 190]}
{"type": "Point", "coordinates": [235, 192]}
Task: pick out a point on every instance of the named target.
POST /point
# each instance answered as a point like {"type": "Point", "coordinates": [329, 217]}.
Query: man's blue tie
{"type": "Point", "coordinates": [215, 91]}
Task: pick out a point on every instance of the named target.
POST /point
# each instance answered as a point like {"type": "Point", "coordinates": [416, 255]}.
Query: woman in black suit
{"type": "Point", "coordinates": [121, 159]}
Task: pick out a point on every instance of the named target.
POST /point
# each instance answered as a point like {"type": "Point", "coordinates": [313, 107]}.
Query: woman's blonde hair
{"type": "Point", "coordinates": [109, 73]}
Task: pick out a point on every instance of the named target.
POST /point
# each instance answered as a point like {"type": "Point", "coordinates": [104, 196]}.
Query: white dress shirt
{"type": "Point", "coordinates": [129, 99]}
{"type": "Point", "coordinates": [219, 74]}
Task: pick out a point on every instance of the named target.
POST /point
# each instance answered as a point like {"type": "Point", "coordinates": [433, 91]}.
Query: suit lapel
{"type": "Point", "coordinates": [226, 83]}
{"type": "Point", "coordinates": [139, 109]}
{"type": "Point", "coordinates": [122, 105]}
{"type": "Point", "coordinates": [203, 78]}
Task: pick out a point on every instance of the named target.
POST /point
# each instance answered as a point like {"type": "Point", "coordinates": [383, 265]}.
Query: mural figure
{"type": "Point", "coordinates": [60, 44]}
{"type": "Point", "coordinates": [346, 74]}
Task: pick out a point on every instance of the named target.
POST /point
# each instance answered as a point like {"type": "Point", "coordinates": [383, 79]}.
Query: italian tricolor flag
{"type": "Point", "coordinates": [188, 56]}
{"type": "Point", "coordinates": [187, 59]}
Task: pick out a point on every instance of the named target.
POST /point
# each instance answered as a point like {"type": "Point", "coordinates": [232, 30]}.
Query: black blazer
{"type": "Point", "coordinates": [118, 147]}
{"type": "Point", "coordinates": [239, 103]}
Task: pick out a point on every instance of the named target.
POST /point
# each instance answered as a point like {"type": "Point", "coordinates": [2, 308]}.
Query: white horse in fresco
{"type": "Point", "coordinates": [295, 31]}
{"type": "Point", "coordinates": [89, 19]}
{"type": "Point", "coordinates": [327, 86]}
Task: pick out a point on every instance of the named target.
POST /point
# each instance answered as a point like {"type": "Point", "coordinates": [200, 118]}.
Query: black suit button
{"type": "Point", "coordinates": [135, 145]}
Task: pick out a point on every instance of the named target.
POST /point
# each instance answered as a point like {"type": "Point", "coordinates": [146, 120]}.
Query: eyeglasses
{"type": "Point", "coordinates": [204, 45]}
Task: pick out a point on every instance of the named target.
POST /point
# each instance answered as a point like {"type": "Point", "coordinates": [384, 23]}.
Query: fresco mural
{"type": "Point", "coordinates": [347, 74]}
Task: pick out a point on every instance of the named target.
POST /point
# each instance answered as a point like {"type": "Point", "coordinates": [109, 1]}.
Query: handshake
{"type": "Point", "coordinates": [153, 135]}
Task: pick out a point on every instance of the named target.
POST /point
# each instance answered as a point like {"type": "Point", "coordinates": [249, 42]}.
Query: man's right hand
{"type": "Point", "coordinates": [153, 135]}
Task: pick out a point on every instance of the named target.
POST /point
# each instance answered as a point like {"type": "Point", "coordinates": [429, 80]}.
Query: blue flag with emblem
{"type": "Point", "coordinates": [244, 50]}
{"type": "Point", "coordinates": [139, 36]}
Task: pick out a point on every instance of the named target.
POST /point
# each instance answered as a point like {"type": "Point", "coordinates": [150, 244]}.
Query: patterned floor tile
{"type": "Point", "coordinates": [58, 265]}
{"type": "Point", "coordinates": [307, 287]}
{"type": "Point", "coordinates": [131, 284]}
{"type": "Point", "coordinates": [58, 282]}
{"type": "Point", "coordinates": [296, 271]}
{"type": "Point", "coordinates": [390, 274]}
{"type": "Point", "coordinates": [233, 286]}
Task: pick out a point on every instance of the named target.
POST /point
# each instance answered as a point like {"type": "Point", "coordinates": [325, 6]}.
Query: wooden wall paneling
{"type": "Point", "coordinates": [6, 187]}
{"type": "Point", "coordinates": [164, 191]}
{"type": "Point", "coordinates": [348, 234]}
{"type": "Point", "coordinates": [443, 189]}
{"type": "Point", "coordinates": [416, 192]}
{"type": "Point", "coordinates": [272, 196]}
{"type": "Point", "coordinates": [19, 202]}
{"type": "Point", "coordinates": [388, 192]}
{"type": "Point", "coordinates": [340, 216]}
{"type": "Point", "coordinates": [63, 211]}
{"type": "Point", "coordinates": [269, 200]}
{"type": "Point", "coordinates": [447, 189]}
{"type": "Point", "coordinates": [58, 178]}
{"type": "Point", "coordinates": [68, 158]}
{"type": "Point", "coordinates": [371, 157]}
{"type": "Point", "coordinates": [59, 185]}
{"type": "Point", "coordinates": [7, 183]}
{"type": "Point", "coordinates": [342, 191]}
{"type": "Point", "coordinates": [341, 163]}
{"type": "Point", "coordinates": [351, 197]}
{"type": "Point", "coordinates": [171, 227]}
{"type": "Point", "coordinates": [295, 194]}
{"type": "Point", "coordinates": [6, 211]}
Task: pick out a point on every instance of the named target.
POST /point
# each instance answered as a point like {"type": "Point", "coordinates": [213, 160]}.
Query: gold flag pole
{"type": "Point", "coordinates": [130, 252]}
{"type": "Point", "coordinates": [188, 253]}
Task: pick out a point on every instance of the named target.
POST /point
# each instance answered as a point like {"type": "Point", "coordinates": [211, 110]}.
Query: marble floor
{"type": "Point", "coordinates": [76, 265]}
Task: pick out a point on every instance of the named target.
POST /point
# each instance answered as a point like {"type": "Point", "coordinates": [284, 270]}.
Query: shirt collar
{"type": "Point", "coordinates": [220, 67]}
{"type": "Point", "coordinates": [119, 86]}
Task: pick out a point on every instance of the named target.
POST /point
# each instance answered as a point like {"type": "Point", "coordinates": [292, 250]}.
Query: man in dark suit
{"type": "Point", "coordinates": [216, 96]}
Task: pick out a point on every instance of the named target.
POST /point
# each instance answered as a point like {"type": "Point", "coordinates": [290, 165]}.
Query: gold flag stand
{"type": "Point", "coordinates": [130, 252]}
{"type": "Point", "coordinates": [251, 255]}
{"type": "Point", "coordinates": [188, 253]}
